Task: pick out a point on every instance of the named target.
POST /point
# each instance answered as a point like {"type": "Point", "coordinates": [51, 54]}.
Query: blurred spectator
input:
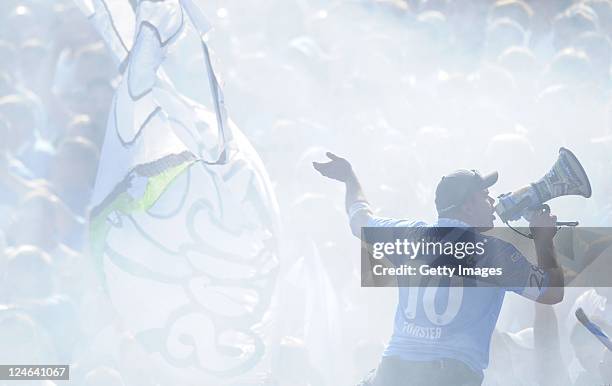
{"type": "Point", "coordinates": [20, 22]}
{"type": "Point", "coordinates": [496, 87]}
{"type": "Point", "coordinates": [34, 68]}
{"type": "Point", "coordinates": [28, 276]}
{"type": "Point", "coordinates": [573, 22]}
{"type": "Point", "coordinates": [434, 25]}
{"type": "Point", "coordinates": [468, 19]}
{"type": "Point", "coordinates": [30, 283]}
{"type": "Point", "coordinates": [292, 366]}
{"type": "Point", "coordinates": [503, 34]}
{"type": "Point", "coordinates": [551, 370]}
{"type": "Point", "coordinates": [605, 368]}
{"type": "Point", "coordinates": [23, 340]}
{"type": "Point", "coordinates": [366, 356]}
{"type": "Point", "coordinates": [136, 367]}
{"type": "Point", "coordinates": [42, 220]}
{"type": "Point", "coordinates": [80, 32]}
{"type": "Point", "coordinates": [603, 9]}
{"type": "Point", "coordinates": [83, 80]}
{"type": "Point", "coordinates": [21, 117]}
{"type": "Point", "coordinates": [83, 126]}
{"type": "Point", "coordinates": [516, 10]}
{"type": "Point", "coordinates": [27, 227]}
{"type": "Point", "coordinates": [26, 118]}
{"type": "Point", "coordinates": [11, 170]}
{"type": "Point", "coordinates": [513, 155]}
{"type": "Point", "coordinates": [8, 57]}
{"type": "Point", "coordinates": [599, 50]}
{"type": "Point", "coordinates": [525, 69]}
{"type": "Point", "coordinates": [433, 5]}
{"type": "Point", "coordinates": [589, 353]}
{"type": "Point", "coordinates": [570, 67]}
{"type": "Point", "coordinates": [7, 84]}
{"type": "Point", "coordinates": [103, 376]}
{"type": "Point", "coordinates": [73, 172]}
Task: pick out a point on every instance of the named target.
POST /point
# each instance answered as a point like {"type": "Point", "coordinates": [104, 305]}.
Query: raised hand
{"type": "Point", "coordinates": [337, 169]}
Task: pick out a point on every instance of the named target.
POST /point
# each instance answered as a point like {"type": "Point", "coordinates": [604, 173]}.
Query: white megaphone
{"type": "Point", "coordinates": [566, 178]}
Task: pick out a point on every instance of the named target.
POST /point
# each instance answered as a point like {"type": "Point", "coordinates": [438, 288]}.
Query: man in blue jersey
{"type": "Point", "coordinates": [441, 335]}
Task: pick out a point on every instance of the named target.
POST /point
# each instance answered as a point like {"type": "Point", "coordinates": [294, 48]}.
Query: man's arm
{"type": "Point", "coordinates": [543, 227]}
{"type": "Point", "coordinates": [356, 204]}
{"type": "Point", "coordinates": [549, 361]}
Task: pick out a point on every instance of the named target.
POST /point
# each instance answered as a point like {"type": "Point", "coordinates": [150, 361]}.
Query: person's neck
{"type": "Point", "coordinates": [463, 219]}
{"type": "Point", "coordinates": [468, 220]}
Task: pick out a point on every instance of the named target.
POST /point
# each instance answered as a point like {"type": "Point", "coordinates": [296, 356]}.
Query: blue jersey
{"type": "Point", "coordinates": [456, 322]}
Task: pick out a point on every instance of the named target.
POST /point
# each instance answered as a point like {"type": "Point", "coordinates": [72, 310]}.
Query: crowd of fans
{"type": "Point", "coordinates": [407, 89]}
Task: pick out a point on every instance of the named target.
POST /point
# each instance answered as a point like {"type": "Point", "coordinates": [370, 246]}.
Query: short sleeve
{"type": "Point", "coordinates": [519, 275]}
{"type": "Point", "coordinates": [382, 222]}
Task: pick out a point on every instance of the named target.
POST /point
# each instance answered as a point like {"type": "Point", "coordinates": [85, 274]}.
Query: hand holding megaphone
{"type": "Point", "coordinates": [543, 224]}
{"type": "Point", "coordinates": [566, 178]}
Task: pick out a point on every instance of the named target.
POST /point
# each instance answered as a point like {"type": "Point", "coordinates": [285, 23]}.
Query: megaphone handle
{"type": "Point", "coordinates": [546, 209]}
{"type": "Point", "coordinates": [567, 223]}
